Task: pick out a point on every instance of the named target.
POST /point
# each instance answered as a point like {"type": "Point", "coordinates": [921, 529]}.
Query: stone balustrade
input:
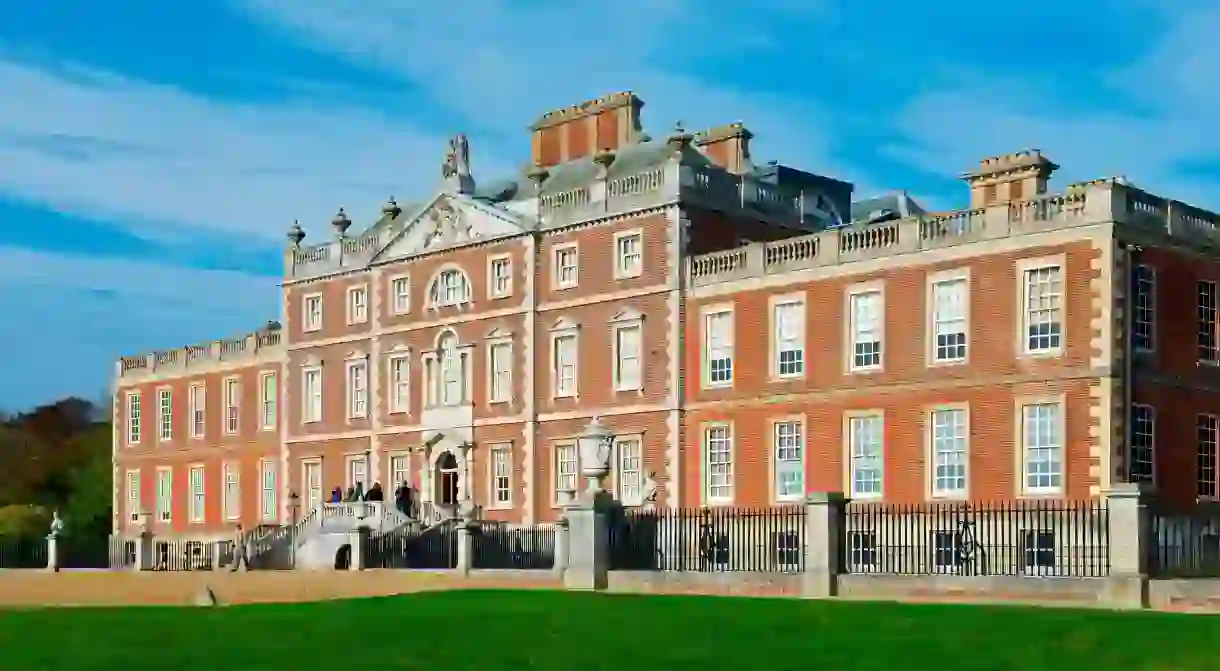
{"type": "Point", "coordinates": [263, 345]}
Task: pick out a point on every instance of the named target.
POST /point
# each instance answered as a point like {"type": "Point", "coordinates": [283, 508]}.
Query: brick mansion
{"type": "Point", "coordinates": [746, 331]}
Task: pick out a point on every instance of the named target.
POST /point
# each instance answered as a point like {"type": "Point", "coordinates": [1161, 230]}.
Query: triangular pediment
{"type": "Point", "coordinates": [450, 220]}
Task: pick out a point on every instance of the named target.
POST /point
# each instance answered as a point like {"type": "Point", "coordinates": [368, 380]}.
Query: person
{"type": "Point", "coordinates": [359, 494]}
{"type": "Point", "coordinates": [350, 496]}
{"type": "Point", "coordinates": [240, 558]}
{"type": "Point", "coordinates": [336, 495]}
{"type": "Point", "coordinates": [375, 493]}
{"type": "Point", "coordinates": [402, 499]}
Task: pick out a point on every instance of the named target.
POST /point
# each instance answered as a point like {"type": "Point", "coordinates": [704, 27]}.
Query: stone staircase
{"type": "Point", "coordinates": [279, 547]}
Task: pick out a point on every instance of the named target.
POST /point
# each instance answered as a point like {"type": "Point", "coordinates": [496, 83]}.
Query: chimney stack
{"type": "Point", "coordinates": [727, 146]}
{"type": "Point", "coordinates": [583, 130]}
{"type": "Point", "coordinates": [1009, 177]}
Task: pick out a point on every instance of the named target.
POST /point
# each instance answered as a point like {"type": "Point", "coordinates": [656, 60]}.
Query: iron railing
{"type": "Point", "coordinates": [432, 548]}
{"type": "Point", "coordinates": [496, 546]}
{"type": "Point", "coordinates": [1187, 544]}
{"type": "Point", "coordinates": [1035, 538]}
{"type": "Point", "coordinates": [710, 539]}
{"type": "Point", "coordinates": [23, 552]}
{"type": "Point", "coordinates": [181, 555]}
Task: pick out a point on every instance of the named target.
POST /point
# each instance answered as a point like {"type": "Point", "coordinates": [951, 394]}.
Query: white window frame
{"type": "Point", "coordinates": [717, 450]}
{"type": "Point", "coordinates": [268, 400]}
{"type": "Point", "coordinates": [356, 384]}
{"type": "Point", "coordinates": [393, 476]}
{"type": "Point", "coordinates": [565, 332]}
{"type": "Point", "coordinates": [787, 427]}
{"type": "Point", "coordinates": [165, 414]}
{"type": "Point", "coordinates": [780, 342]}
{"type": "Point", "coordinates": [624, 266]}
{"type": "Point", "coordinates": [357, 305]}
{"type": "Point", "coordinates": [198, 494]}
{"type": "Point", "coordinates": [311, 320]}
{"type": "Point", "coordinates": [712, 350]}
{"type": "Point", "coordinates": [443, 293]}
{"type": "Point", "coordinates": [1211, 289]}
{"type": "Point", "coordinates": [400, 294]}
{"type": "Point", "coordinates": [268, 499]}
{"type": "Point", "coordinates": [936, 434]}
{"type": "Point", "coordinates": [311, 399]}
{"type": "Point", "coordinates": [500, 472]}
{"type": "Point", "coordinates": [566, 465]}
{"type": "Point", "coordinates": [625, 323]}
{"type": "Point", "coordinates": [1026, 270]}
{"type": "Point", "coordinates": [197, 398]}
{"type": "Point", "coordinates": [133, 505]}
{"type": "Point", "coordinates": [230, 501]}
{"type": "Point", "coordinates": [230, 393]}
{"type": "Point", "coordinates": [312, 496]}
{"type": "Point", "coordinates": [853, 423]}
{"type": "Point", "coordinates": [165, 496]}
{"type": "Point", "coordinates": [558, 266]}
{"type": "Point", "coordinates": [1143, 312]}
{"type": "Point", "coordinates": [134, 412]}
{"type": "Point", "coordinates": [1207, 450]}
{"type": "Point", "coordinates": [938, 322]}
{"type": "Point", "coordinates": [1024, 407]}
{"type": "Point", "coordinates": [1143, 428]}
{"type": "Point", "coordinates": [500, 269]}
{"type": "Point", "coordinates": [859, 334]}
{"type": "Point", "coordinates": [398, 378]}
{"type": "Point", "coordinates": [629, 475]}
{"type": "Point", "coordinates": [500, 369]}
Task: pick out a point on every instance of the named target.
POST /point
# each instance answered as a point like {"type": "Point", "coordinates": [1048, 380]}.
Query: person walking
{"type": "Point", "coordinates": [240, 558]}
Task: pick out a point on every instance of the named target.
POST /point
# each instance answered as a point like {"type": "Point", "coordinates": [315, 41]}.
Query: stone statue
{"type": "Point", "coordinates": [650, 489]}
{"type": "Point", "coordinates": [457, 160]}
{"type": "Point", "coordinates": [448, 226]}
{"type": "Point", "coordinates": [57, 524]}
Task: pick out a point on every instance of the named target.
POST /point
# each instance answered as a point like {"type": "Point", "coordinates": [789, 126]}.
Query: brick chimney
{"type": "Point", "coordinates": [727, 146]}
{"type": "Point", "coordinates": [582, 130]}
{"type": "Point", "coordinates": [1009, 177]}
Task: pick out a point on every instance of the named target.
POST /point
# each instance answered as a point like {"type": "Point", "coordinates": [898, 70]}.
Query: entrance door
{"type": "Point", "coordinates": [311, 477]}
{"type": "Point", "coordinates": [447, 483]}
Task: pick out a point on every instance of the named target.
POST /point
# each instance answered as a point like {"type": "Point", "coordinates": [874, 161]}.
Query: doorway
{"type": "Point", "coordinates": [447, 482]}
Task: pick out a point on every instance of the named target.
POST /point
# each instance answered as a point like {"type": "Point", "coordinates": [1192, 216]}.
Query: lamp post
{"type": "Point", "coordinates": [595, 443]}
{"type": "Point", "coordinates": [294, 504]}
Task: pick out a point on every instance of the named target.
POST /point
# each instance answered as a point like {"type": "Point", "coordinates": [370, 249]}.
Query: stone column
{"type": "Point", "coordinates": [588, 565]}
{"type": "Point", "coordinates": [465, 549]}
{"type": "Point", "coordinates": [143, 551]}
{"type": "Point", "coordinates": [562, 542]}
{"type": "Point", "coordinates": [358, 540]}
{"type": "Point", "coordinates": [825, 540]}
{"type": "Point", "coordinates": [218, 551]}
{"type": "Point", "coordinates": [52, 552]}
{"type": "Point", "coordinates": [1131, 543]}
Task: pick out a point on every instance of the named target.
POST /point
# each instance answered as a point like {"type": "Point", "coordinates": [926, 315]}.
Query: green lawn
{"type": "Point", "coordinates": [488, 630]}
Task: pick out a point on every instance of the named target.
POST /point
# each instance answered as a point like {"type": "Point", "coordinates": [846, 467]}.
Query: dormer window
{"type": "Point", "coordinates": [450, 288]}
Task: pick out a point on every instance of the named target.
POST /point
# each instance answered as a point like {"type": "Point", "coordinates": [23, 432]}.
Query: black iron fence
{"type": "Point", "coordinates": [500, 546]}
{"type": "Point", "coordinates": [1186, 544]}
{"type": "Point", "coordinates": [1036, 538]}
{"type": "Point", "coordinates": [23, 552]}
{"type": "Point", "coordinates": [710, 539]}
{"type": "Point", "coordinates": [182, 555]}
{"type": "Point", "coordinates": [433, 548]}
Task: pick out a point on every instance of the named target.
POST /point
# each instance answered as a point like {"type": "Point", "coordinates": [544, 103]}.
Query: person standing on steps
{"type": "Point", "coordinates": [240, 558]}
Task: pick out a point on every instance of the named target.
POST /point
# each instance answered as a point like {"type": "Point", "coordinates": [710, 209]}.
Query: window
{"type": "Point", "coordinates": [398, 470]}
{"type": "Point", "coordinates": [1039, 546]}
{"type": "Point", "coordinates": [1016, 190]}
{"type": "Point", "coordinates": [133, 419]}
{"type": "Point", "coordinates": [949, 454]}
{"type": "Point", "coordinates": [862, 551]}
{"type": "Point", "coordinates": [232, 396]}
{"type": "Point", "coordinates": [196, 503]}
{"type": "Point", "coordinates": [989, 194]}
{"type": "Point", "coordinates": [165, 494]}
{"type": "Point", "coordinates": [1042, 446]}
{"type": "Point", "coordinates": [949, 305]}
{"type": "Point", "coordinates": [718, 348]}
{"type": "Point", "coordinates": [500, 364]}
{"type": "Point", "coordinates": [268, 401]}
{"type": "Point", "coordinates": [500, 282]}
{"type": "Point", "coordinates": [357, 305]}
{"type": "Point", "coordinates": [565, 470]}
{"type": "Point", "coordinates": [1208, 432]}
{"type": "Point", "coordinates": [165, 414]}
{"type": "Point", "coordinates": [865, 327]}
{"type": "Point", "coordinates": [232, 492]}
{"type": "Point", "coordinates": [789, 461]}
{"type": "Point", "coordinates": [866, 440]}
{"type": "Point", "coordinates": [400, 295]}
{"type": "Point", "coordinates": [311, 397]}
{"type": "Point", "coordinates": [451, 387]}
{"type": "Point", "coordinates": [718, 463]}
{"type": "Point", "coordinates": [312, 309]}
{"type": "Point", "coordinates": [357, 389]}
{"type": "Point", "coordinates": [266, 502]}
{"type": "Point", "coordinates": [198, 398]}
{"type": "Point", "coordinates": [1143, 334]}
{"type": "Point", "coordinates": [450, 288]}
{"type": "Point", "coordinates": [133, 496]}
{"type": "Point", "coordinates": [630, 478]}
{"type": "Point", "coordinates": [565, 267]}
{"type": "Point", "coordinates": [788, 331]}
{"type": "Point", "coordinates": [627, 373]}
{"type": "Point", "coordinates": [400, 383]}
{"type": "Point", "coordinates": [564, 368]}
{"type": "Point", "coordinates": [1043, 309]}
{"type": "Point", "coordinates": [501, 473]}
{"type": "Point", "coordinates": [628, 255]}
{"type": "Point", "coordinates": [1209, 347]}
{"type": "Point", "coordinates": [357, 473]}
{"type": "Point", "coordinates": [1143, 441]}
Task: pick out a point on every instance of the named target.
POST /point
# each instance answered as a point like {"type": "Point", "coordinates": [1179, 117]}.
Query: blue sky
{"type": "Point", "coordinates": [152, 154]}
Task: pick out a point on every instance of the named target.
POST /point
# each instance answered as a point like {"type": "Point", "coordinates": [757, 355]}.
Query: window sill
{"type": "Point", "coordinates": [792, 377]}
{"type": "Point", "coordinates": [718, 385]}
{"type": "Point", "coordinates": [867, 370]}
{"type": "Point", "coordinates": [1040, 496]}
{"type": "Point", "coordinates": [718, 503]}
{"type": "Point", "coordinates": [1041, 354]}
{"type": "Point", "coordinates": [633, 275]}
{"type": "Point", "coordinates": [943, 363]}
{"type": "Point", "coordinates": [500, 506]}
{"type": "Point", "coordinates": [565, 287]}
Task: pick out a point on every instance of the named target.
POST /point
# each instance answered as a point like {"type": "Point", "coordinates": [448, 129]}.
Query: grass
{"type": "Point", "coordinates": [490, 630]}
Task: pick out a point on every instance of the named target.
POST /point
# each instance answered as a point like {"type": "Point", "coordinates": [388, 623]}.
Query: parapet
{"type": "Point", "coordinates": [263, 345]}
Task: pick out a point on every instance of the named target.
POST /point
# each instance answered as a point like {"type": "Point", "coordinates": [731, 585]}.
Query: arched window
{"type": "Point", "coordinates": [449, 288]}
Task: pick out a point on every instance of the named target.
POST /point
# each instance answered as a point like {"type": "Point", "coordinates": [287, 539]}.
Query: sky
{"type": "Point", "coordinates": [153, 154]}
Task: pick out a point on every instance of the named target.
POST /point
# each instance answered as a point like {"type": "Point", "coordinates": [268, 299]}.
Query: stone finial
{"type": "Point", "coordinates": [296, 234]}
{"type": "Point", "coordinates": [341, 223]}
{"type": "Point", "coordinates": [679, 139]}
{"type": "Point", "coordinates": [391, 208]}
{"type": "Point", "coordinates": [537, 175]}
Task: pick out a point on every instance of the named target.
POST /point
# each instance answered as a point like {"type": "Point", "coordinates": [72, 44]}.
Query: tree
{"type": "Point", "coordinates": [89, 511]}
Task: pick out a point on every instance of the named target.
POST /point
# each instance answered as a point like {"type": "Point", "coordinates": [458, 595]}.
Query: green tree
{"type": "Point", "coordinates": [88, 509]}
